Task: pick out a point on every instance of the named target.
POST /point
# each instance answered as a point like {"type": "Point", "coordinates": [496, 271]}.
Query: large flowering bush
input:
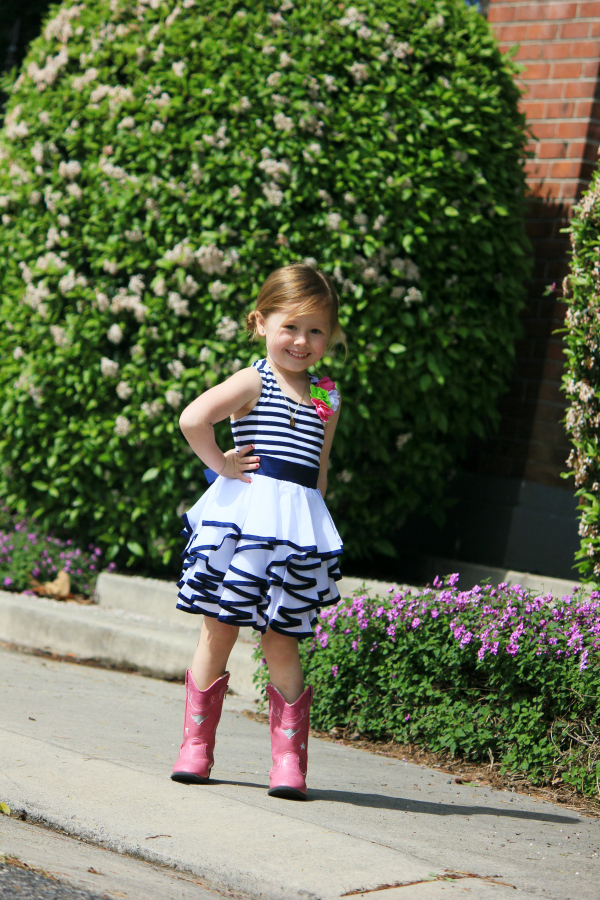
{"type": "Point", "coordinates": [491, 673]}
{"type": "Point", "coordinates": [581, 380]}
{"type": "Point", "coordinates": [159, 158]}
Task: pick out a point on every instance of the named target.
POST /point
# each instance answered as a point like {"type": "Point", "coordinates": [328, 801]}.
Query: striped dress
{"type": "Point", "coordinates": [265, 554]}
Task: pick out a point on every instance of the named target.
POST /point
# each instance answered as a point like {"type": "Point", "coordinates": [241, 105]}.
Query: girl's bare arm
{"type": "Point", "coordinates": [197, 423]}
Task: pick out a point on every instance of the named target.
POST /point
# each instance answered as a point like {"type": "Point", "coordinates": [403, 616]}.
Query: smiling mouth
{"type": "Point", "coordinates": [298, 355]}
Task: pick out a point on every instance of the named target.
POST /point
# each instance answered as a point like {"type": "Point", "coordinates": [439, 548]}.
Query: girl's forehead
{"type": "Point", "coordinates": [296, 314]}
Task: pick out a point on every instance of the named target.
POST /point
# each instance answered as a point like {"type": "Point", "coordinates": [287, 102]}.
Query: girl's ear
{"type": "Point", "coordinates": [260, 324]}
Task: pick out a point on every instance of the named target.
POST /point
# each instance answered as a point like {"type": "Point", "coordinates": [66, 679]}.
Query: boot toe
{"type": "Point", "coordinates": [286, 793]}
{"type": "Point", "coordinates": [188, 778]}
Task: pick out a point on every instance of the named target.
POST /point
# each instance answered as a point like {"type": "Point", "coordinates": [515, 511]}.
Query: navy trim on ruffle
{"type": "Point", "coordinates": [253, 591]}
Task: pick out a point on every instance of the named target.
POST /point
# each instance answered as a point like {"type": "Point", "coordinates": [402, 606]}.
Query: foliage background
{"type": "Point", "coordinates": [159, 159]}
{"type": "Point", "coordinates": [581, 380]}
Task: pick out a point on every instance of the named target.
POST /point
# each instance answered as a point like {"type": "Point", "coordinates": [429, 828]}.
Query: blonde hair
{"type": "Point", "coordinates": [299, 289]}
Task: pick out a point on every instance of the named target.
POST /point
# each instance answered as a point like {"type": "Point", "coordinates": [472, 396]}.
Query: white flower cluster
{"type": "Point", "coordinates": [359, 71]}
{"type": "Point", "coordinates": [70, 281]}
{"type": "Point", "coordinates": [116, 172]}
{"type": "Point", "coordinates": [352, 19]}
{"type": "Point", "coordinates": [277, 169]}
{"type": "Point", "coordinates": [219, 139]}
{"type": "Point", "coordinates": [115, 334]}
{"type": "Point", "coordinates": [60, 26]}
{"type": "Point", "coordinates": [124, 301]}
{"type": "Point", "coordinates": [80, 81]}
{"type": "Point", "coordinates": [122, 426]}
{"type": "Point", "coordinates": [117, 95]}
{"type": "Point", "coordinates": [46, 75]}
{"type": "Point", "coordinates": [189, 287]}
{"type": "Point", "coordinates": [134, 235]}
{"type": "Point", "coordinates": [18, 352]}
{"type": "Point", "coordinates": [60, 336]}
{"type": "Point", "coordinates": [214, 261]}
{"type": "Point", "coordinates": [179, 306]}
{"type": "Point", "coordinates": [69, 169]}
{"type": "Point", "coordinates": [127, 123]}
{"type": "Point", "coordinates": [227, 328]}
{"type": "Point", "coordinates": [13, 127]}
{"type": "Point", "coordinates": [283, 123]}
{"type": "Point", "coordinates": [413, 295]}
{"type": "Point", "coordinates": [178, 68]}
{"type": "Point", "coordinates": [108, 367]}
{"type": "Point", "coordinates": [273, 194]}
{"type": "Point", "coordinates": [174, 398]}
{"type": "Point", "coordinates": [34, 297]}
{"type": "Point", "coordinates": [181, 253]}
{"type": "Point", "coordinates": [330, 83]}
{"type": "Point", "coordinates": [50, 261]}
{"type": "Point", "coordinates": [176, 368]}
{"type": "Point", "coordinates": [334, 220]}
{"type": "Point", "coordinates": [311, 152]}
{"type": "Point", "coordinates": [403, 439]}
{"type": "Point", "coordinates": [216, 290]}
{"type": "Point", "coordinates": [406, 268]}
{"type": "Point", "coordinates": [152, 409]}
{"type": "Point", "coordinates": [124, 390]}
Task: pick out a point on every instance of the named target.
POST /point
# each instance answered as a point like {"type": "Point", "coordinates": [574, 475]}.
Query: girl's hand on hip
{"type": "Point", "coordinates": [239, 465]}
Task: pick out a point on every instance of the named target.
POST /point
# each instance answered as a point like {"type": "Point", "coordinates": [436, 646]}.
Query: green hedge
{"type": "Point", "coordinates": [492, 673]}
{"type": "Point", "coordinates": [159, 160]}
{"type": "Point", "coordinates": [581, 380]}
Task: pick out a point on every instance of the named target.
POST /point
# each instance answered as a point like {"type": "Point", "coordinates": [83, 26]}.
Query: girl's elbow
{"type": "Point", "coordinates": [186, 422]}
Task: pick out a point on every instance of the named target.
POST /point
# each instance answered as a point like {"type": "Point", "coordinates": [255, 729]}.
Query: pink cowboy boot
{"type": "Point", "coordinates": [202, 714]}
{"type": "Point", "coordinates": [289, 738]}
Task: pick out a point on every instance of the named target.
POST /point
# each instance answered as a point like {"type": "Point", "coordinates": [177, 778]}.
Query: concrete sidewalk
{"type": "Point", "coordinates": [89, 751]}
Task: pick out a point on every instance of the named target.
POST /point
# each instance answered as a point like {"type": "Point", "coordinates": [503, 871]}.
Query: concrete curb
{"type": "Point", "coordinates": [151, 597]}
{"type": "Point", "coordinates": [114, 637]}
{"type": "Point", "coordinates": [472, 574]}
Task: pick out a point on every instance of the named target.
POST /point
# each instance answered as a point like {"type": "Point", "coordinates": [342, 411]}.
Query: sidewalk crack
{"type": "Point", "coordinates": [447, 876]}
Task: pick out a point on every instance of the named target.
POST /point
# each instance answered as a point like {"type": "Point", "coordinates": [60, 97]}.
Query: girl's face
{"type": "Point", "coordinates": [295, 342]}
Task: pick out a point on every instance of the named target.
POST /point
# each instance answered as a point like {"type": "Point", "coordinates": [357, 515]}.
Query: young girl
{"type": "Point", "coordinates": [263, 550]}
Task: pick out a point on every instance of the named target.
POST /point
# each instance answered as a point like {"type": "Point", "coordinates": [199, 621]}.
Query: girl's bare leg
{"type": "Point", "coordinates": [214, 646]}
{"type": "Point", "coordinates": [283, 660]}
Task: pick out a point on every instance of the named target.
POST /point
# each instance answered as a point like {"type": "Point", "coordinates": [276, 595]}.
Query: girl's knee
{"type": "Point", "coordinates": [216, 632]}
{"type": "Point", "coordinates": [282, 646]}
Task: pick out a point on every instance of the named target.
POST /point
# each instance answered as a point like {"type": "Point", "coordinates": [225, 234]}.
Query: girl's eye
{"type": "Point", "coordinates": [291, 327]}
{"type": "Point", "coordinates": [316, 331]}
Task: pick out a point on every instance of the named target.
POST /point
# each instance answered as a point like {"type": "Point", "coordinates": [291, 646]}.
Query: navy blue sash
{"type": "Point", "coordinates": [273, 467]}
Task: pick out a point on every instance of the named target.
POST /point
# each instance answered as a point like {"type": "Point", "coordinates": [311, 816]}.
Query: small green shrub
{"type": "Point", "coordinates": [26, 554]}
{"type": "Point", "coordinates": [581, 380]}
{"type": "Point", "coordinates": [489, 671]}
{"type": "Point", "coordinates": [159, 160]}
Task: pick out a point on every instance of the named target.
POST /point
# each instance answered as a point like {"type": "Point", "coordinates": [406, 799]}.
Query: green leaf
{"type": "Point", "coordinates": [135, 548]}
{"type": "Point", "coordinates": [397, 348]}
{"type": "Point", "coordinates": [451, 211]}
{"type": "Point", "coordinates": [150, 474]}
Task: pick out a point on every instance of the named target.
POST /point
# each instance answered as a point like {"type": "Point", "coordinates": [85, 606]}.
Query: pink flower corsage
{"type": "Point", "coordinates": [325, 398]}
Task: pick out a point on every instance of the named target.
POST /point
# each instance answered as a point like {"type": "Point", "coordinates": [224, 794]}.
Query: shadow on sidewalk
{"type": "Point", "coordinates": [380, 801]}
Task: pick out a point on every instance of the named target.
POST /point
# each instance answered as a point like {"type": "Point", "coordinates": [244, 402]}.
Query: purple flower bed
{"type": "Point", "coordinates": [487, 673]}
{"type": "Point", "coordinates": [25, 553]}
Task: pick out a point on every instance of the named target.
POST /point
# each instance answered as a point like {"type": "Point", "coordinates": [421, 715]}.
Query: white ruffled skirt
{"type": "Point", "coordinates": [263, 554]}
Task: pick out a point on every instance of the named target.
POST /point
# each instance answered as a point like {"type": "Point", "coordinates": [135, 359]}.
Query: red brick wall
{"type": "Point", "coordinates": [559, 46]}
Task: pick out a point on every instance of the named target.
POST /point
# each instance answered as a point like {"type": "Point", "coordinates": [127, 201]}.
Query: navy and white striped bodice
{"type": "Point", "coordinates": [268, 425]}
